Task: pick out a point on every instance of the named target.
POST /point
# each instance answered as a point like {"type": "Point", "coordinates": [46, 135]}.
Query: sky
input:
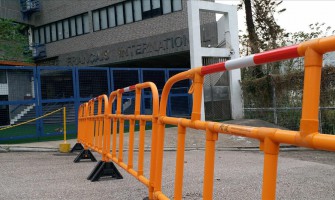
{"type": "Point", "coordinates": [298, 15]}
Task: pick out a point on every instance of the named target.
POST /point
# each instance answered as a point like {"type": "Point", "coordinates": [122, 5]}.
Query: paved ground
{"type": "Point", "coordinates": [195, 139]}
{"type": "Point", "coordinates": [47, 174]}
{"type": "Point", "coordinates": [238, 174]}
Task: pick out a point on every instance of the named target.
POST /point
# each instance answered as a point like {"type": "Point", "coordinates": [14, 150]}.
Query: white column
{"type": "Point", "coordinates": [231, 35]}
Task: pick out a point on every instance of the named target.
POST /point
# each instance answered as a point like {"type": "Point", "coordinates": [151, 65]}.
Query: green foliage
{"type": "Point", "coordinates": [13, 42]}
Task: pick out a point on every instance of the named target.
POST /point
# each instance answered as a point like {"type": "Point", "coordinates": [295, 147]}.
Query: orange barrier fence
{"type": "Point", "coordinates": [269, 138]}
{"type": "Point", "coordinates": [95, 127]}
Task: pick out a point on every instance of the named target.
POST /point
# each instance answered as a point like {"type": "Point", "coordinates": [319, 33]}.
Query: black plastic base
{"type": "Point", "coordinates": [103, 169]}
{"type": "Point", "coordinates": [85, 154]}
{"type": "Point", "coordinates": [77, 147]}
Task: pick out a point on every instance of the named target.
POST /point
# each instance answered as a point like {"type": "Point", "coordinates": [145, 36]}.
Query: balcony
{"type": "Point", "coordinates": [38, 51]}
{"type": "Point", "coordinates": [28, 7]}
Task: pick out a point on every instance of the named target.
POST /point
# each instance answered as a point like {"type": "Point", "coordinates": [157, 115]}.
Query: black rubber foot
{"type": "Point", "coordinates": [85, 154]}
{"type": "Point", "coordinates": [77, 147]}
{"type": "Point", "coordinates": [103, 169]}
{"type": "Point", "coordinates": [146, 198]}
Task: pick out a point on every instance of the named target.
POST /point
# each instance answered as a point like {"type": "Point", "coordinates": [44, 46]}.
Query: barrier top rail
{"type": "Point", "coordinates": [269, 138]}
{"type": "Point", "coordinates": [321, 46]}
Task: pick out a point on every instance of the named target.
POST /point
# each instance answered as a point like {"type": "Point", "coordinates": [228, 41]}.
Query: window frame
{"type": "Point", "coordinates": [55, 24]}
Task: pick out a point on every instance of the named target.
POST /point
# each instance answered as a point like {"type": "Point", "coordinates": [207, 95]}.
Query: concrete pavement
{"type": "Point", "coordinates": [195, 139]}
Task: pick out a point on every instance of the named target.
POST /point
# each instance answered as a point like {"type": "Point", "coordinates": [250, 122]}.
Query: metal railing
{"type": "Point", "coordinates": [94, 129]}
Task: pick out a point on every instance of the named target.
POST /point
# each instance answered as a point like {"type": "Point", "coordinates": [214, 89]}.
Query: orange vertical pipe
{"type": "Point", "coordinates": [141, 148]}
{"type": "Point", "coordinates": [114, 137]}
{"type": "Point", "coordinates": [209, 164]}
{"type": "Point", "coordinates": [131, 143]}
{"type": "Point", "coordinates": [310, 106]}
{"type": "Point", "coordinates": [178, 186]}
{"type": "Point", "coordinates": [197, 95]}
{"type": "Point", "coordinates": [106, 130]}
{"type": "Point", "coordinates": [100, 123]}
{"type": "Point", "coordinates": [121, 135]}
{"type": "Point", "coordinates": [111, 100]}
{"type": "Point", "coordinates": [91, 122]}
{"type": "Point", "coordinates": [118, 113]}
{"type": "Point", "coordinates": [153, 158]}
{"type": "Point", "coordinates": [159, 156]}
{"type": "Point", "coordinates": [271, 150]}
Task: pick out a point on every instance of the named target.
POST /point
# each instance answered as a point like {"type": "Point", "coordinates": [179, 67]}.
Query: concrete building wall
{"type": "Point", "coordinates": [10, 9]}
{"type": "Point", "coordinates": [52, 11]}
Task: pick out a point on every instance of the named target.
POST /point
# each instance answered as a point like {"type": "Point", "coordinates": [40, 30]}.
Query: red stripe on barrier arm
{"type": "Point", "coordinates": [277, 55]}
{"type": "Point", "coordinates": [209, 69]}
{"type": "Point", "coordinates": [133, 87]}
{"type": "Point", "coordinates": [122, 90]}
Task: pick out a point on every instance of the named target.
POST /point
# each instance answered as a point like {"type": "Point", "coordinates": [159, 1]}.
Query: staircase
{"type": "Point", "coordinates": [22, 114]}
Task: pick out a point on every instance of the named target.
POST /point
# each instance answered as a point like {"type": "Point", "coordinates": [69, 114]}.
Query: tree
{"type": "Point", "coordinates": [263, 32]}
{"type": "Point", "coordinates": [14, 44]}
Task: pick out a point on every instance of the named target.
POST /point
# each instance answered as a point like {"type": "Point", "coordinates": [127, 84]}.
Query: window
{"type": "Point", "coordinates": [73, 27]}
{"type": "Point", "coordinates": [156, 8]}
{"type": "Point", "coordinates": [167, 6]}
{"type": "Point", "coordinates": [3, 76]}
{"type": "Point", "coordinates": [119, 14]}
{"type": "Point", "coordinates": [96, 20]}
{"type": "Point", "coordinates": [156, 4]}
{"type": "Point", "coordinates": [47, 34]}
{"type": "Point", "coordinates": [79, 23]}
{"type": "Point", "coordinates": [176, 4]}
{"type": "Point", "coordinates": [36, 36]}
{"type": "Point", "coordinates": [137, 10]}
{"type": "Point", "coordinates": [60, 30]}
{"type": "Point", "coordinates": [146, 5]}
{"type": "Point", "coordinates": [66, 28]}
{"type": "Point", "coordinates": [111, 16]}
{"type": "Point", "coordinates": [103, 18]}
{"type": "Point", "coordinates": [129, 11]}
{"type": "Point", "coordinates": [86, 23]}
{"type": "Point", "coordinates": [53, 32]}
{"type": "Point", "coordinates": [42, 35]}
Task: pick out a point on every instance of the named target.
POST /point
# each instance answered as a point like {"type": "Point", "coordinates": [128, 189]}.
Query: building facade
{"type": "Point", "coordinates": [140, 35]}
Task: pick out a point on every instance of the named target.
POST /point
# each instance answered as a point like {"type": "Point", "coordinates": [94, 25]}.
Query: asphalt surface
{"type": "Point", "coordinates": [38, 171]}
{"type": "Point", "coordinates": [238, 175]}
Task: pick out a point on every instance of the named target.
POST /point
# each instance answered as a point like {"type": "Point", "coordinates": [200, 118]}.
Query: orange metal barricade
{"type": "Point", "coordinates": [94, 127]}
{"type": "Point", "coordinates": [96, 124]}
{"type": "Point", "coordinates": [269, 138]}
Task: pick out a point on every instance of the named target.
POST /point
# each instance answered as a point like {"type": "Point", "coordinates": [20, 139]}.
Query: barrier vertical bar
{"type": "Point", "coordinates": [141, 148]}
{"type": "Point", "coordinates": [114, 137]}
{"type": "Point", "coordinates": [271, 150]}
{"type": "Point", "coordinates": [197, 95]}
{"type": "Point", "coordinates": [100, 123]}
{"type": "Point", "coordinates": [311, 96]}
{"type": "Point", "coordinates": [211, 138]}
{"type": "Point", "coordinates": [108, 141]}
{"type": "Point", "coordinates": [131, 143]}
{"type": "Point", "coordinates": [121, 135]}
{"type": "Point", "coordinates": [91, 123]}
{"type": "Point", "coordinates": [106, 129]}
{"type": "Point", "coordinates": [178, 189]}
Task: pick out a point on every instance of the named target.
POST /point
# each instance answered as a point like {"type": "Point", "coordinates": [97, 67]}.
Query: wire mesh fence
{"type": "Point", "coordinates": [216, 93]}
{"type": "Point", "coordinates": [278, 99]}
{"type": "Point", "coordinates": [27, 93]}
